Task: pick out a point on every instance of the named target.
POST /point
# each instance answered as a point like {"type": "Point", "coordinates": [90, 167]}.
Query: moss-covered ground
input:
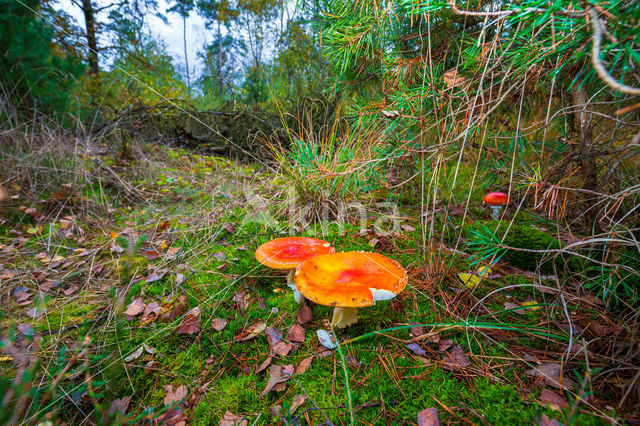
{"type": "Point", "coordinates": [195, 236]}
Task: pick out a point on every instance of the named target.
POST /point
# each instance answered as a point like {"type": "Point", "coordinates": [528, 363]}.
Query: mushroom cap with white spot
{"type": "Point", "coordinates": [350, 279]}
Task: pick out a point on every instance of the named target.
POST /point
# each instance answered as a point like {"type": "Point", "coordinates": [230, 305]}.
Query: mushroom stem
{"type": "Point", "coordinates": [291, 283]}
{"type": "Point", "coordinates": [495, 212]}
{"type": "Point", "coordinates": [343, 317]}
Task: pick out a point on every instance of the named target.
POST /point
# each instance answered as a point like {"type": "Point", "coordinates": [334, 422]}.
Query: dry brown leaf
{"type": "Point", "coordinates": [407, 228]}
{"type": "Point", "coordinates": [151, 312]}
{"type": "Point", "coordinates": [278, 375]}
{"type": "Point", "coordinates": [547, 421]}
{"type": "Point", "coordinates": [428, 417]}
{"type": "Point", "coordinates": [190, 324]}
{"type": "Point", "coordinates": [219, 324]}
{"type": "Point", "coordinates": [551, 373]}
{"type": "Point", "coordinates": [156, 276]}
{"type": "Point", "coordinates": [69, 291]}
{"type": "Point", "coordinates": [416, 349]}
{"type": "Point", "coordinates": [296, 334]}
{"type": "Point", "coordinates": [509, 305]}
{"type": "Point", "coordinates": [119, 406]}
{"type": "Point", "coordinates": [265, 364]}
{"type": "Point", "coordinates": [456, 359]}
{"type": "Point", "coordinates": [444, 344]}
{"type": "Point", "coordinates": [250, 332]}
{"type": "Point", "coordinates": [179, 308]}
{"type": "Point", "coordinates": [174, 396]}
{"type": "Point", "coordinates": [555, 401]}
{"type": "Point", "coordinates": [305, 314]}
{"type": "Point", "coordinates": [135, 308]}
{"type": "Point", "coordinates": [231, 419]}
{"type": "Point", "coordinates": [298, 400]}
{"type": "Point", "coordinates": [304, 365]}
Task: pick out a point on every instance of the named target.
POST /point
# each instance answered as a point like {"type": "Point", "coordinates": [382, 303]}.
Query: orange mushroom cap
{"type": "Point", "coordinates": [351, 279]}
{"type": "Point", "coordinates": [496, 198]}
{"type": "Point", "coordinates": [288, 253]}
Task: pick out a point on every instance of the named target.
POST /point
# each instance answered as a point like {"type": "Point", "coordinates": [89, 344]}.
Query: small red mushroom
{"type": "Point", "coordinates": [495, 201]}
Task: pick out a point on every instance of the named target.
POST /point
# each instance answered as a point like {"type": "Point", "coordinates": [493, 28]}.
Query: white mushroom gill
{"type": "Point", "coordinates": [381, 294]}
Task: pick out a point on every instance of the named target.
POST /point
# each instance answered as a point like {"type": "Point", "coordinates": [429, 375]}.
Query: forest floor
{"type": "Point", "coordinates": [156, 266]}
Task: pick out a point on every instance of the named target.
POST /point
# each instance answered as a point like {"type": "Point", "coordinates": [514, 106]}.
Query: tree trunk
{"type": "Point", "coordinates": [184, 38]}
{"type": "Point", "coordinates": [219, 60]}
{"type": "Point", "coordinates": [92, 43]}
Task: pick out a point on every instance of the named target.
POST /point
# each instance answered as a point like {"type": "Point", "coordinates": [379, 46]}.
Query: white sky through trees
{"type": "Point", "coordinates": [171, 34]}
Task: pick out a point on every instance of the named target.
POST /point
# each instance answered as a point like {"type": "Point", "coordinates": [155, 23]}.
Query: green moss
{"type": "Point", "coordinates": [519, 236]}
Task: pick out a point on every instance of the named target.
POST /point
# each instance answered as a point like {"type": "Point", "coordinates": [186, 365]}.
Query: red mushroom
{"type": "Point", "coordinates": [348, 281]}
{"type": "Point", "coordinates": [495, 201]}
{"type": "Point", "coordinates": [288, 253]}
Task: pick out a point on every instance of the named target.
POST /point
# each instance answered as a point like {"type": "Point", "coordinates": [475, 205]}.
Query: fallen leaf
{"type": "Point", "coordinates": [416, 349]}
{"type": "Point", "coordinates": [36, 312]}
{"type": "Point", "coordinates": [23, 296]}
{"type": "Point", "coordinates": [151, 254]}
{"type": "Point", "coordinates": [162, 226]}
{"type": "Point", "coordinates": [298, 400]}
{"type": "Point", "coordinates": [326, 339]}
{"type": "Point", "coordinates": [555, 401]}
{"type": "Point", "coordinates": [150, 313]}
{"type": "Point", "coordinates": [428, 417]}
{"type": "Point", "coordinates": [134, 355]}
{"type": "Point", "coordinates": [509, 306]}
{"type": "Point", "coordinates": [456, 359]}
{"type": "Point", "coordinates": [7, 274]}
{"type": "Point", "coordinates": [155, 276]}
{"type": "Point", "coordinates": [48, 286]}
{"type": "Point", "coordinates": [119, 406]}
{"type": "Point", "coordinates": [278, 374]}
{"type": "Point", "coordinates": [241, 299]}
{"type": "Point", "coordinates": [180, 307]}
{"type": "Point", "coordinates": [304, 365]}
{"type": "Point", "coordinates": [444, 344]}
{"type": "Point", "coordinates": [229, 228]}
{"type": "Point", "coordinates": [265, 364]}
{"type": "Point", "coordinates": [190, 324]}
{"type": "Point", "coordinates": [250, 332]}
{"type": "Point", "coordinates": [305, 314]}
{"type": "Point", "coordinates": [135, 308]}
{"type": "Point", "coordinates": [219, 324]}
{"type": "Point", "coordinates": [547, 421]}
{"type": "Point", "coordinates": [69, 291]}
{"type": "Point", "coordinates": [173, 251]}
{"type": "Point", "coordinates": [407, 228]}
{"type": "Point", "coordinates": [220, 256]}
{"type": "Point", "coordinates": [373, 242]}
{"type": "Point", "coordinates": [174, 396]}
{"type": "Point", "coordinates": [551, 373]}
{"type": "Point", "coordinates": [26, 329]}
{"type": "Point", "coordinates": [296, 334]}
{"type": "Point", "coordinates": [470, 280]}
{"type": "Point", "coordinates": [231, 419]}
{"type": "Point", "coordinates": [179, 278]}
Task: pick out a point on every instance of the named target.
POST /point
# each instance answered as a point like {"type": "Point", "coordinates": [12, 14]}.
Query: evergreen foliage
{"type": "Point", "coordinates": [35, 73]}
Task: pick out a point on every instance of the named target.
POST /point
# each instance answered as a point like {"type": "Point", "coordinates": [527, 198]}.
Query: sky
{"type": "Point", "coordinates": [171, 33]}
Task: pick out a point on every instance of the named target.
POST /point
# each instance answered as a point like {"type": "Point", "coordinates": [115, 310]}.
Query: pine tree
{"type": "Point", "coordinates": [34, 72]}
